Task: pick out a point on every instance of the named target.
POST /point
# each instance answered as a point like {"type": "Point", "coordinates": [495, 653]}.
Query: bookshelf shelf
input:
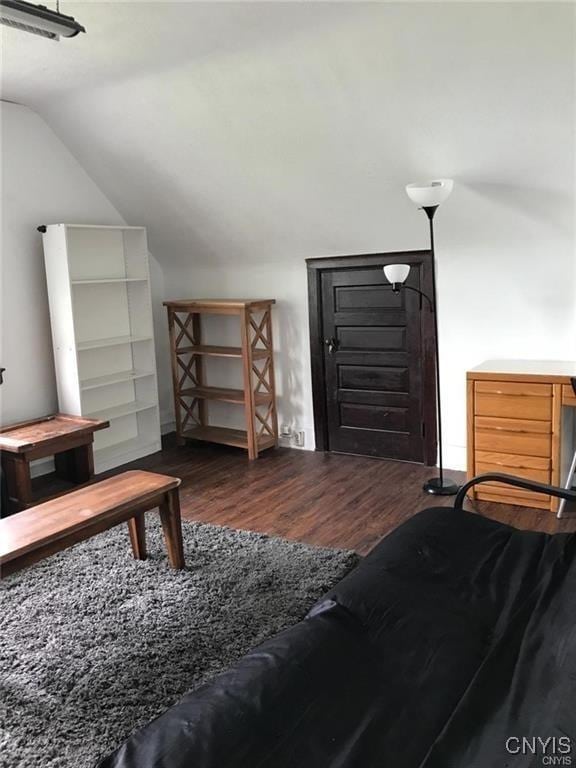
{"type": "Point", "coordinates": [119, 411]}
{"type": "Point", "coordinates": [113, 378]}
{"type": "Point", "coordinates": [225, 436]}
{"type": "Point", "coordinates": [106, 281]}
{"type": "Point", "coordinates": [114, 341]}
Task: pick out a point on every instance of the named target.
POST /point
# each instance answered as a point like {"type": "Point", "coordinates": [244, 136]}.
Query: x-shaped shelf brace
{"type": "Point", "coordinates": [189, 409]}
{"type": "Point", "coordinates": [261, 340]}
{"type": "Point", "coordinates": [188, 373]}
{"type": "Point", "coordinates": [266, 426]}
{"type": "Point", "coordinates": [263, 376]}
{"type": "Point", "coordinates": [260, 330]}
{"type": "Point", "coordinates": [184, 332]}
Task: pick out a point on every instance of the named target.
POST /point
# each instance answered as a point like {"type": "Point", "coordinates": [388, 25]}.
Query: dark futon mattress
{"type": "Point", "coordinates": [453, 641]}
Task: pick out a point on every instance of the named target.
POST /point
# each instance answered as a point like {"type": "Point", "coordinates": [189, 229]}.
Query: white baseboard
{"type": "Point", "coordinates": [167, 427]}
{"type": "Point", "coordinates": [286, 443]}
{"type": "Point", "coordinates": [106, 459]}
{"type": "Point", "coordinates": [455, 457]}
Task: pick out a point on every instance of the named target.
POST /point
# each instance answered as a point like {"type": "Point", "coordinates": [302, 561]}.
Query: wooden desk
{"type": "Point", "coordinates": [68, 438]}
{"type": "Point", "coordinates": [521, 420]}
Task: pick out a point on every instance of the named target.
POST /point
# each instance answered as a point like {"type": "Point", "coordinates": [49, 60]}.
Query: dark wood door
{"type": "Point", "coordinates": [373, 352]}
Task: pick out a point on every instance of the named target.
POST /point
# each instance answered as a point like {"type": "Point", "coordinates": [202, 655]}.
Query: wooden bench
{"type": "Point", "coordinates": [40, 531]}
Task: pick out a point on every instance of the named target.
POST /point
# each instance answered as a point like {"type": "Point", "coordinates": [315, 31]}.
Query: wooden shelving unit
{"type": "Point", "coordinates": [192, 394]}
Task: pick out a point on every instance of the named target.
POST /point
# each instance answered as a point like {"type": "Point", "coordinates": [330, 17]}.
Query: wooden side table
{"type": "Point", "coordinates": [68, 438]}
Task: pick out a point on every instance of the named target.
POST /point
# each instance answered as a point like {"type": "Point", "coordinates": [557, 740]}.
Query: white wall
{"type": "Point", "coordinates": [249, 136]}
{"type": "Point", "coordinates": [42, 183]}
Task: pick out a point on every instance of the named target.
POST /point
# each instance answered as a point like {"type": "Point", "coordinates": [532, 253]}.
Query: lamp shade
{"type": "Point", "coordinates": [397, 273]}
{"type": "Point", "coordinates": [427, 194]}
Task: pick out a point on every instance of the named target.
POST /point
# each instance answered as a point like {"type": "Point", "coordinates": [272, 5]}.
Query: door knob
{"type": "Point", "coordinates": [332, 345]}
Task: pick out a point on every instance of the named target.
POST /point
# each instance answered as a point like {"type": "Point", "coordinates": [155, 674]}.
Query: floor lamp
{"type": "Point", "coordinates": [428, 196]}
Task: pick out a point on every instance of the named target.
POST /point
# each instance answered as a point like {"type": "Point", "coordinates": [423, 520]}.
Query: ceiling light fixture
{"type": "Point", "coordinates": [38, 19]}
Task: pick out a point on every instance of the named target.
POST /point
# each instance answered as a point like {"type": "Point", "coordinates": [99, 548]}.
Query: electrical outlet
{"type": "Point", "coordinates": [299, 438]}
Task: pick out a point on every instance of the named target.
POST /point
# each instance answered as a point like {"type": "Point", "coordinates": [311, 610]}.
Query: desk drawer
{"type": "Point", "coordinates": [517, 443]}
{"type": "Point", "coordinates": [510, 462]}
{"type": "Point", "coordinates": [514, 406]}
{"type": "Point", "coordinates": [513, 400]}
{"type": "Point", "coordinates": [541, 475]}
{"type": "Point", "coordinates": [503, 494]}
{"type": "Point", "coordinates": [523, 388]}
{"type": "Point", "coordinates": [499, 424]}
{"type": "Point", "coordinates": [568, 396]}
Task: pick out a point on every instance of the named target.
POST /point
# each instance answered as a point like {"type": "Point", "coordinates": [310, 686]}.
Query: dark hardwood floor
{"type": "Point", "coordinates": [320, 498]}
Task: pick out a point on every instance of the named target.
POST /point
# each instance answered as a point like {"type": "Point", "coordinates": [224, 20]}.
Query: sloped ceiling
{"type": "Point", "coordinates": [262, 132]}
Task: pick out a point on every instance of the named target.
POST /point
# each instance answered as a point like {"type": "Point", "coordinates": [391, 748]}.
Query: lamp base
{"type": "Point", "coordinates": [436, 487]}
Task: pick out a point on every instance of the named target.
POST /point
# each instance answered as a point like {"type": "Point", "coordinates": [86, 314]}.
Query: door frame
{"type": "Point", "coordinates": [315, 268]}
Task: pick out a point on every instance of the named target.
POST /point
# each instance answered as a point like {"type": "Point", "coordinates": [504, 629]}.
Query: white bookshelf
{"type": "Point", "coordinates": [101, 316]}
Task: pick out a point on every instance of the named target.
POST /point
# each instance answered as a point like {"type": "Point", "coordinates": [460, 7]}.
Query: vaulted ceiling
{"type": "Point", "coordinates": [274, 131]}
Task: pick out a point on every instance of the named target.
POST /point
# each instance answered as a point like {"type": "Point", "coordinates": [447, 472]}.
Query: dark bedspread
{"type": "Point", "coordinates": [454, 638]}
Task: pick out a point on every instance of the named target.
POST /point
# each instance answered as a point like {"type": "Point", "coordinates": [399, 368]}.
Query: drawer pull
{"type": "Point", "coordinates": [515, 431]}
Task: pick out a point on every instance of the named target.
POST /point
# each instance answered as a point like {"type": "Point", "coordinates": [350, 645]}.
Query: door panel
{"type": "Point", "coordinates": [374, 416]}
{"type": "Point", "coordinates": [372, 364]}
{"type": "Point", "coordinates": [362, 298]}
{"type": "Point", "coordinates": [373, 377]}
{"type": "Point", "coordinates": [370, 338]}
{"type": "Point", "coordinates": [372, 397]}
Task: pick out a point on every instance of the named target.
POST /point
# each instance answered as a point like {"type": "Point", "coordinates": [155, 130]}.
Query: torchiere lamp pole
{"type": "Point", "coordinates": [429, 195]}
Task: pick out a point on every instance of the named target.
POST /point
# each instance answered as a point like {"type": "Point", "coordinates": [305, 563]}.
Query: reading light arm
{"type": "Point", "coordinates": [397, 287]}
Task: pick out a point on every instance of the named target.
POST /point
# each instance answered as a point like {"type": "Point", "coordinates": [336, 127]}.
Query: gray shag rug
{"type": "Point", "coordinates": [94, 644]}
